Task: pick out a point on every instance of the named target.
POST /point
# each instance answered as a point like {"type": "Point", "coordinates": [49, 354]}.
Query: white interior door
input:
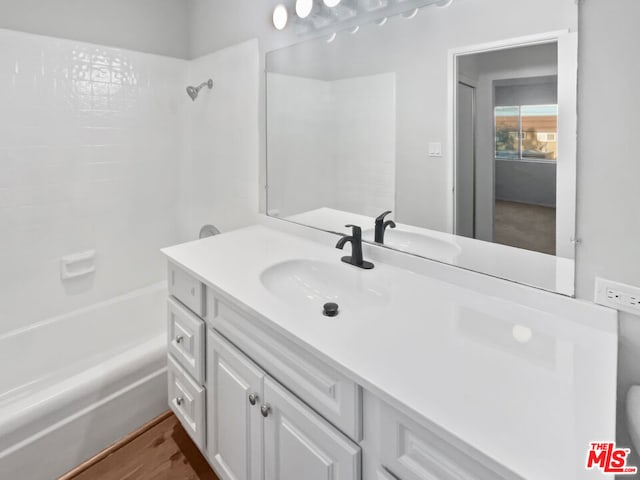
{"type": "Point", "coordinates": [234, 425]}
{"type": "Point", "coordinates": [299, 444]}
{"type": "Point", "coordinates": [465, 161]}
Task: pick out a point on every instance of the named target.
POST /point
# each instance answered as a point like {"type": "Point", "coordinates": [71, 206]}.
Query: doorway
{"type": "Point", "coordinates": [513, 173]}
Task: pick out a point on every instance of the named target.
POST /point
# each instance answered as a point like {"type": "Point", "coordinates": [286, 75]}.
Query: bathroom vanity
{"type": "Point", "coordinates": [427, 372]}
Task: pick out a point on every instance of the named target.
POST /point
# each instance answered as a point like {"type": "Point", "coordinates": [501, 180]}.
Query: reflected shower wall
{"type": "Point", "coordinates": [331, 143]}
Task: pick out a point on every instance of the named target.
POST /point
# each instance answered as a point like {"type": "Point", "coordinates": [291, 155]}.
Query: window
{"type": "Point", "coordinates": [527, 132]}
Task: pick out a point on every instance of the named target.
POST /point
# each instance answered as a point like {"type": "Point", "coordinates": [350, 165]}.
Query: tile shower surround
{"type": "Point", "coordinates": [91, 142]}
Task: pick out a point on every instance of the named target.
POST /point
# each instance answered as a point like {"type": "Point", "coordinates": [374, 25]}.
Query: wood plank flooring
{"type": "Point", "coordinates": [162, 450]}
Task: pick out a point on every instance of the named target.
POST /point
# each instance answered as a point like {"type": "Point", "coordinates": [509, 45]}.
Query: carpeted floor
{"type": "Point", "coordinates": [525, 226]}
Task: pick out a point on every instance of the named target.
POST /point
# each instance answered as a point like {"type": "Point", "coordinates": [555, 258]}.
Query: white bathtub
{"type": "Point", "coordinates": [72, 385]}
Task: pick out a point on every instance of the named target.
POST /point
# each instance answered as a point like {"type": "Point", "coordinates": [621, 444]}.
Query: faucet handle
{"type": "Point", "coordinates": [357, 231]}
{"type": "Point", "coordinates": [380, 217]}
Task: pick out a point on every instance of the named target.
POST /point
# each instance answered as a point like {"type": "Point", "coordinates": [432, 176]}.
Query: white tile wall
{"type": "Point", "coordinates": [343, 152]}
{"type": "Point", "coordinates": [365, 140]}
{"type": "Point", "coordinates": [220, 172]}
{"type": "Point", "coordinates": [301, 148]}
{"type": "Point", "coordinates": [93, 143]}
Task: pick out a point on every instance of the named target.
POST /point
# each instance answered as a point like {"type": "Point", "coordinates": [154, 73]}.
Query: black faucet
{"type": "Point", "coordinates": [356, 249]}
{"type": "Point", "coordinates": [381, 226]}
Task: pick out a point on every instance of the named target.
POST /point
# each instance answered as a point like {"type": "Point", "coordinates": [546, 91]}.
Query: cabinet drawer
{"type": "Point", "coordinates": [413, 452]}
{"type": "Point", "coordinates": [187, 400]}
{"type": "Point", "coordinates": [186, 336]}
{"type": "Point", "coordinates": [187, 289]}
{"type": "Point", "coordinates": [330, 393]}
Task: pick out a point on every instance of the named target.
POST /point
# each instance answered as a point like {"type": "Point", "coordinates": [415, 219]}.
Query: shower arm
{"type": "Point", "coordinates": [194, 91]}
{"type": "Point", "coordinates": [208, 83]}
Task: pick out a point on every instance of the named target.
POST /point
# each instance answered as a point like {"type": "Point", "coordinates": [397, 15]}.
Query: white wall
{"type": "Point", "coordinates": [217, 24]}
{"type": "Point", "coordinates": [330, 145]}
{"type": "Point", "coordinates": [153, 26]}
{"type": "Point", "coordinates": [608, 166]}
{"type": "Point", "coordinates": [220, 168]}
{"type": "Point", "coordinates": [89, 152]}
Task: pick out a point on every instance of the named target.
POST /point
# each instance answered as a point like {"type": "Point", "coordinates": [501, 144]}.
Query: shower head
{"type": "Point", "coordinates": [193, 91]}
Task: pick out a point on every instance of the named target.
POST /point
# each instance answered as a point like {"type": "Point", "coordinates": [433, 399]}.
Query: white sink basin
{"type": "Point", "coordinates": [311, 283]}
{"type": "Point", "coordinates": [424, 245]}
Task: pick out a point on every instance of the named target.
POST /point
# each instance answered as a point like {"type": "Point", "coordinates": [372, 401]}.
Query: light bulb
{"type": "Point", "coordinates": [304, 8]}
{"type": "Point", "coordinates": [331, 3]}
{"type": "Point", "coordinates": [280, 17]}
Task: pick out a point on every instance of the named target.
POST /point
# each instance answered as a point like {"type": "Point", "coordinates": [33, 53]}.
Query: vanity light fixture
{"type": "Point", "coordinates": [304, 8]}
{"type": "Point", "coordinates": [319, 16]}
{"type": "Point", "coordinates": [341, 10]}
{"type": "Point", "coordinates": [373, 5]}
{"type": "Point", "coordinates": [411, 14]}
{"type": "Point", "coordinates": [280, 17]}
{"type": "Point", "coordinates": [326, 16]}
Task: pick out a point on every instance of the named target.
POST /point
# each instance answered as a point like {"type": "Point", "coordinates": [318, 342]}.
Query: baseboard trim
{"type": "Point", "coordinates": [115, 447]}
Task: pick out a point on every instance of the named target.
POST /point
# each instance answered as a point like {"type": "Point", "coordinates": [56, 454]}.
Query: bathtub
{"type": "Point", "coordinates": [72, 385]}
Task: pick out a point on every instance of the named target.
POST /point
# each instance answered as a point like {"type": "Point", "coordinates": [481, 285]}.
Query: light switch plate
{"type": "Point", "coordinates": [617, 295]}
{"type": "Point", "coordinates": [435, 149]}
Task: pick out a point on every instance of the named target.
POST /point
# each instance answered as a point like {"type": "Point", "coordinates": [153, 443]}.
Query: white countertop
{"type": "Point", "coordinates": [446, 353]}
{"type": "Point", "coordinates": [555, 274]}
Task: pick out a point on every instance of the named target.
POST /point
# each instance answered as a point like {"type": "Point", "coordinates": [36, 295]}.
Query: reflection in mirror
{"type": "Point", "coordinates": [507, 147]}
{"type": "Point", "coordinates": [465, 130]}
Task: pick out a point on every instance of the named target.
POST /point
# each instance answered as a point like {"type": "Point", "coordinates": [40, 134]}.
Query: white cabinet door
{"type": "Point", "coordinates": [382, 474]}
{"type": "Point", "coordinates": [299, 444]}
{"type": "Point", "coordinates": [235, 426]}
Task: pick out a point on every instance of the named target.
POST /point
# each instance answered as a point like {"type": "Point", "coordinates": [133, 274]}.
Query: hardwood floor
{"type": "Point", "coordinates": [162, 450]}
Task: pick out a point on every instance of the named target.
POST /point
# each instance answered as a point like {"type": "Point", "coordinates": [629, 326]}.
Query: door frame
{"type": "Point", "coordinates": [567, 128]}
{"type": "Point", "coordinates": [473, 85]}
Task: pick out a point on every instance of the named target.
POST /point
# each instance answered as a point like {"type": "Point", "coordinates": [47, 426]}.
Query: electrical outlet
{"type": "Point", "coordinates": [618, 295]}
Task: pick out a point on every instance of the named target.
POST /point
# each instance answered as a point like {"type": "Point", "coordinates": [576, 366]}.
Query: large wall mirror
{"type": "Point", "coordinates": [460, 121]}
